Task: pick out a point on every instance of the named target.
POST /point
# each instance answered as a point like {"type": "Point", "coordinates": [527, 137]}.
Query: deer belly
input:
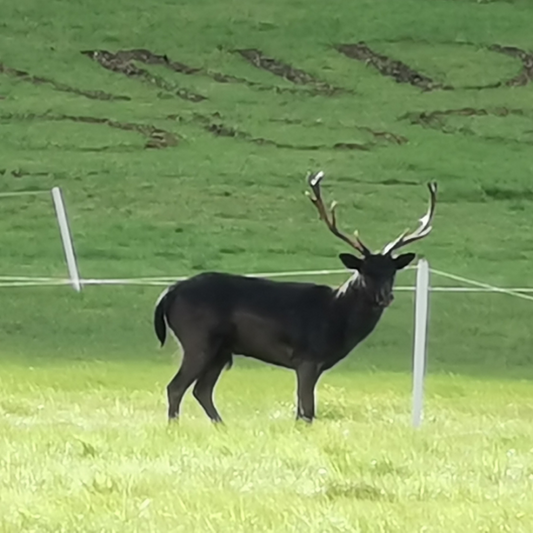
{"type": "Point", "coordinates": [262, 339]}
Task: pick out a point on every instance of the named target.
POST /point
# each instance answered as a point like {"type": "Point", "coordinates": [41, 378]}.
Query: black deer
{"type": "Point", "coordinates": [301, 326]}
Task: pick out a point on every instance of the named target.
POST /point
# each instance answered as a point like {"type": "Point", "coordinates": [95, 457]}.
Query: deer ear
{"type": "Point", "coordinates": [351, 262]}
{"type": "Point", "coordinates": [403, 260]}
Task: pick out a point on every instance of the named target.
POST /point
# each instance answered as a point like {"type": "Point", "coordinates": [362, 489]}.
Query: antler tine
{"type": "Point", "coordinates": [423, 229]}
{"type": "Point", "coordinates": [330, 219]}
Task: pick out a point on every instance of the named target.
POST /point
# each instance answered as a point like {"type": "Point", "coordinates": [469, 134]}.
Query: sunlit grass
{"type": "Point", "coordinates": [86, 447]}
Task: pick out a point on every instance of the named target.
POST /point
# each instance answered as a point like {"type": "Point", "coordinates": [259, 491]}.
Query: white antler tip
{"type": "Point", "coordinates": [314, 180]}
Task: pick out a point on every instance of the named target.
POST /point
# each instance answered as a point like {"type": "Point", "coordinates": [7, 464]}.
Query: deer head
{"type": "Point", "coordinates": [375, 272]}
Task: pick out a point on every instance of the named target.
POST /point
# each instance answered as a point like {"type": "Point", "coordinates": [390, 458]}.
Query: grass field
{"type": "Point", "coordinates": [181, 136]}
{"type": "Point", "coordinates": [87, 449]}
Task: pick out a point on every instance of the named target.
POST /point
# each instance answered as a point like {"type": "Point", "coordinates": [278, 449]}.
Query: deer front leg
{"type": "Point", "coordinates": [307, 374]}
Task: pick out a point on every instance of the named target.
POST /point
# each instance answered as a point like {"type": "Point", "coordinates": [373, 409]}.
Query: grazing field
{"type": "Point", "coordinates": [181, 135]}
{"type": "Point", "coordinates": [86, 448]}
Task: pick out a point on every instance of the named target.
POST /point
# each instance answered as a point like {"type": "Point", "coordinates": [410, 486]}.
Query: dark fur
{"type": "Point", "coordinates": [302, 326]}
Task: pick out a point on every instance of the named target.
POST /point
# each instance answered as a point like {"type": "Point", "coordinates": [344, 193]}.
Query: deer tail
{"type": "Point", "coordinates": [160, 323]}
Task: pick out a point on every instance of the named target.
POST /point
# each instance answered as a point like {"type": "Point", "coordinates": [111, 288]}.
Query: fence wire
{"type": "Point", "coordinates": [163, 281]}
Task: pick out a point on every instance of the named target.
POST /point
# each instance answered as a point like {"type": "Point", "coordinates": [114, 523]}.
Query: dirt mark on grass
{"type": "Point", "coordinates": [123, 62]}
{"type": "Point", "coordinates": [157, 137]}
{"type": "Point", "coordinates": [437, 120]}
{"type": "Point", "coordinates": [214, 124]}
{"type": "Point", "coordinates": [381, 137]}
{"type": "Point", "coordinates": [526, 75]}
{"type": "Point", "coordinates": [385, 136]}
{"type": "Point", "coordinates": [399, 71]}
{"type": "Point", "coordinates": [19, 173]}
{"type": "Point", "coordinates": [58, 86]}
{"type": "Point", "coordinates": [221, 130]}
{"type": "Point", "coordinates": [402, 73]}
{"type": "Point", "coordinates": [295, 75]}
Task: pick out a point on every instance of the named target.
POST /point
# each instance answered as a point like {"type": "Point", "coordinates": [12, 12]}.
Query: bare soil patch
{"type": "Point", "coordinates": [526, 75]}
{"type": "Point", "coordinates": [123, 62]}
{"type": "Point", "coordinates": [58, 86]}
{"type": "Point", "coordinates": [295, 75]}
{"type": "Point", "coordinates": [156, 137]}
{"type": "Point", "coordinates": [381, 137]}
{"type": "Point", "coordinates": [385, 65]}
{"type": "Point", "coordinates": [221, 130]}
{"type": "Point", "coordinates": [385, 136]}
{"type": "Point", "coordinates": [19, 173]}
{"type": "Point", "coordinates": [402, 73]}
{"type": "Point", "coordinates": [214, 124]}
{"type": "Point", "coordinates": [437, 120]}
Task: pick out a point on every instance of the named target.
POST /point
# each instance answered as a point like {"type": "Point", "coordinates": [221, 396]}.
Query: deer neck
{"type": "Point", "coordinates": [354, 283]}
{"type": "Point", "coordinates": [356, 311]}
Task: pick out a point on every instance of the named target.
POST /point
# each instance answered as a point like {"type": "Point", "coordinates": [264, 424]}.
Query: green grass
{"type": "Point", "coordinates": [86, 448]}
{"type": "Point", "coordinates": [84, 444]}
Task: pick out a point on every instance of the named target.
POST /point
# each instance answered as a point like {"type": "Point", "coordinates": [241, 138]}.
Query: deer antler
{"type": "Point", "coordinates": [329, 218]}
{"type": "Point", "coordinates": [423, 229]}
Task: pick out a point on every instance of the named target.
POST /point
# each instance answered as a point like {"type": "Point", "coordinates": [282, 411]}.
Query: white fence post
{"type": "Point", "coordinates": [420, 339]}
{"type": "Point", "coordinates": [66, 238]}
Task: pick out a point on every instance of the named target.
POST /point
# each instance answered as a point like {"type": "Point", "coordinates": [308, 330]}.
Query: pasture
{"type": "Point", "coordinates": [181, 136]}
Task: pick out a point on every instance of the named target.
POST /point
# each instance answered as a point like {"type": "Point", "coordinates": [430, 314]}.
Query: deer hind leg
{"type": "Point", "coordinates": [191, 367]}
{"type": "Point", "coordinates": [203, 389]}
{"type": "Point", "coordinates": [197, 357]}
